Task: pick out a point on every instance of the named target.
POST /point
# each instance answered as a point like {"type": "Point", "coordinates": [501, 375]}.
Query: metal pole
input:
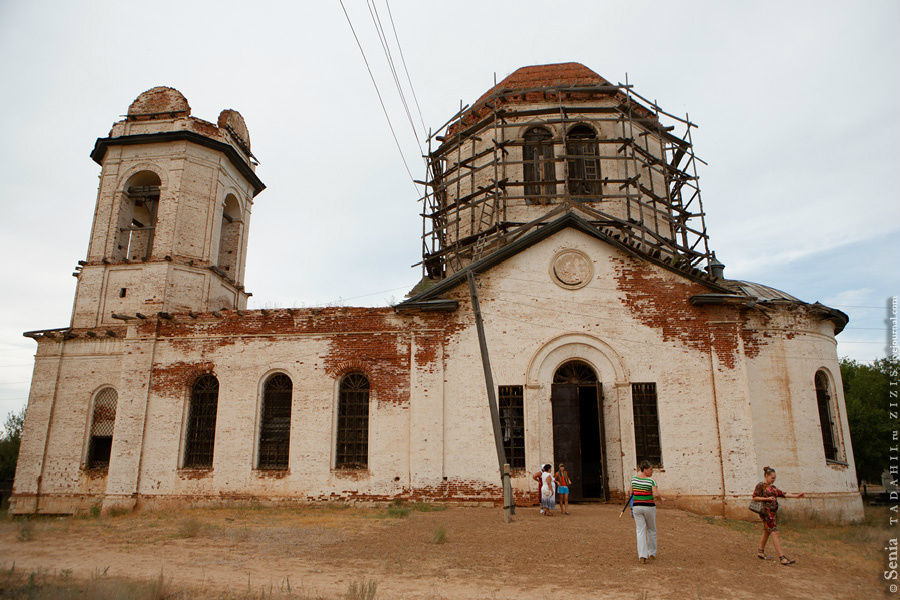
{"type": "Point", "coordinates": [508, 508]}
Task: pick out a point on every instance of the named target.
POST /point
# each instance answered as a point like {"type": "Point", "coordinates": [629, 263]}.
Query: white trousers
{"type": "Point", "coordinates": [645, 525]}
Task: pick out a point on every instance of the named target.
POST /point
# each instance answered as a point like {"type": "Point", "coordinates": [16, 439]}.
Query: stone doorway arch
{"type": "Point", "coordinates": [578, 430]}
{"type": "Point", "coordinates": [611, 376]}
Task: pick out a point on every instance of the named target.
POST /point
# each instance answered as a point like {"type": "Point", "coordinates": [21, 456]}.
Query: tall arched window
{"type": "Point", "coordinates": [353, 423]}
{"type": "Point", "coordinates": [275, 423]}
{"type": "Point", "coordinates": [827, 414]}
{"type": "Point", "coordinates": [201, 427]}
{"type": "Point", "coordinates": [103, 422]}
{"type": "Point", "coordinates": [538, 165]}
{"type": "Point", "coordinates": [230, 237]}
{"type": "Point", "coordinates": [137, 216]}
{"type": "Point", "coordinates": [582, 150]}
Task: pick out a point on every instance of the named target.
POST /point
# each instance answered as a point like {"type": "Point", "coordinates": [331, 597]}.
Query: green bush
{"type": "Point", "coordinates": [429, 507]}
{"type": "Point", "coordinates": [398, 512]}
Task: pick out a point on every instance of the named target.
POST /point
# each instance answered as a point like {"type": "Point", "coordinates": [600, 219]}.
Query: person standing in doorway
{"type": "Point", "coordinates": [768, 494]}
{"type": "Point", "coordinates": [563, 481]}
{"type": "Point", "coordinates": [646, 495]}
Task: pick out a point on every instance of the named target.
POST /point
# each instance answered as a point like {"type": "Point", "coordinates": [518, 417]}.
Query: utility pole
{"type": "Point", "coordinates": [509, 507]}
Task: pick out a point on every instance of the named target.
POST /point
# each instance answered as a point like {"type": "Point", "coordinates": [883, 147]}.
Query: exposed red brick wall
{"type": "Point", "coordinates": [375, 341]}
{"type": "Point", "coordinates": [174, 378]}
{"type": "Point", "coordinates": [382, 357]}
{"type": "Point", "coordinates": [662, 301]}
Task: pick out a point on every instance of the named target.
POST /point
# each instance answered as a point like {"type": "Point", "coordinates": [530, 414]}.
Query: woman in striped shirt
{"type": "Point", "coordinates": [643, 507]}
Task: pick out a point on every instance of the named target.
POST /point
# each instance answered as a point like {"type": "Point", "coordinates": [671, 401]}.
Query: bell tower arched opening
{"type": "Point", "coordinates": [230, 237]}
{"type": "Point", "coordinates": [137, 217]}
{"type": "Point", "coordinates": [578, 430]}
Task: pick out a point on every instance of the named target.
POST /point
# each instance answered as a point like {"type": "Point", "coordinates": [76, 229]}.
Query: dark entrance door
{"type": "Point", "coordinates": [577, 401]}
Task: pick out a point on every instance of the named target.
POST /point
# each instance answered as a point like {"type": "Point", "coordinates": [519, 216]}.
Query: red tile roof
{"type": "Point", "coordinates": [570, 74]}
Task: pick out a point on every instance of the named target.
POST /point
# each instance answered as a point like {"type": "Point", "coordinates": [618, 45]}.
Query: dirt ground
{"type": "Point", "coordinates": [322, 550]}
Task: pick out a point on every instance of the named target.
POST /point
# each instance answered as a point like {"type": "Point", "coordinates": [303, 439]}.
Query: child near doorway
{"type": "Point", "coordinates": [563, 481]}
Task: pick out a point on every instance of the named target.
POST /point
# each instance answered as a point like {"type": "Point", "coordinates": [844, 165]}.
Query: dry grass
{"type": "Point", "coordinates": [26, 530]}
{"type": "Point", "coordinates": [339, 543]}
{"type": "Point", "coordinates": [42, 585]}
{"type": "Point", "coordinates": [361, 590]}
{"type": "Point", "coordinates": [39, 585]}
{"type": "Point", "coordinates": [439, 536]}
{"type": "Point", "coordinates": [188, 528]}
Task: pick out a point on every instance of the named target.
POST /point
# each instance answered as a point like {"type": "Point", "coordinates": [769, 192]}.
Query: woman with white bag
{"type": "Point", "coordinates": [548, 492]}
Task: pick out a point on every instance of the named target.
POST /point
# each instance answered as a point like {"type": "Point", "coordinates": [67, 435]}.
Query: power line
{"type": "Point", "coordinates": [380, 99]}
{"type": "Point", "coordinates": [403, 287]}
{"type": "Point", "coordinates": [857, 306]}
{"type": "Point", "coordinates": [385, 46]}
{"type": "Point", "coordinates": [403, 60]}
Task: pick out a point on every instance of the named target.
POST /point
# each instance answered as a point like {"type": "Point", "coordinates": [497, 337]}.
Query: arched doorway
{"type": "Point", "coordinates": [578, 436]}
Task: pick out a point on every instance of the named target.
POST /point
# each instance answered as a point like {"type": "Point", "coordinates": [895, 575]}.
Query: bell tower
{"type": "Point", "coordinates": [172, 214]}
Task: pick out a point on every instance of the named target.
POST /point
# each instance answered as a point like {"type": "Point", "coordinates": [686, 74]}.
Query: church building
{"type": "Point", "coordinates": [565, 207]}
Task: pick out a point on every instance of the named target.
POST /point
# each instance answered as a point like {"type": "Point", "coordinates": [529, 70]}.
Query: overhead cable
{"type": "Point", "coordinates": [380, 99]}
{"type": "Point", "coordinates": [385, 46]}
{"type": "Point", "coordinates": [405, 70]}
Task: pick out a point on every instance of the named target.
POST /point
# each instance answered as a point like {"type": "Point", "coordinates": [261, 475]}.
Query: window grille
{"type": "Point", "coordinates": [512, 424]}
{"type": "Point", "coordinates": [582, 151]}
{"type": "Point", "coordinates": [826, 416]}
{"type": "Point", "coordinates": [575, 372]}
{"type": "Point", "coordinates": [646, 423]}
{"type": "Point", "coordinates": [275, 425]}
{"type": "Point", "coordinates": [353, 423]}
{"type": "Point", "coordinates": [103, 422]}
{"type": "Point", "coordinates": [201, 430]}
{"type": "Point", "coordinates": [539, 167]}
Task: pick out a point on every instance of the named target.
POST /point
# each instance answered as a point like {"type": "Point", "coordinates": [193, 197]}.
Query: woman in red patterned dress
{"type": "Point", "coordinates": [768, 494]}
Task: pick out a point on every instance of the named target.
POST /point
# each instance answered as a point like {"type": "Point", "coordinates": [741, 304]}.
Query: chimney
{"type": "Point", "coordinates": [715, 268]}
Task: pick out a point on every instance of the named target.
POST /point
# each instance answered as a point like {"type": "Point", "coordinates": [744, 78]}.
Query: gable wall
{"type": "Point", "coordinates": [641, 312]}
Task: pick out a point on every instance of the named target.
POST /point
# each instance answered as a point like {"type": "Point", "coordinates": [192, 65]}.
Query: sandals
{"type": "Point", "coordinates": [785, 560]}
{"type": "Point", "coordinates": [761, 554]}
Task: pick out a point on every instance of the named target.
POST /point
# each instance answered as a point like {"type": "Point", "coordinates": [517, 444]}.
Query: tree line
{"type": "Point", "coordinates": [867, 393]}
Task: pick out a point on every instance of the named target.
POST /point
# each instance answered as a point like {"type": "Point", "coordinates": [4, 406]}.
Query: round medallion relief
{"type": "Point", "coordinates": [571, 269]}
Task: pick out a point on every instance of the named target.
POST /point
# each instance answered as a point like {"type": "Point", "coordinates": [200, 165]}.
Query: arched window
{"type": "Point", "coordinates": [230, 237]}
{"type": "Point", "coordinates": [137, 216]}
{"type": "Point", "coordinates": [275, 423]}
{"type": "Point", "coordinates": [201, 427]}
{"type": "Point", "coordinates": [539, 168]}
{"type": "Point", "coordinates": [353, 423]}
{"type": "Point", "coordinates": [103, 422]}
{"type": "Point", "coordinates": [584, 166]}
{"type": "Point", "coordinates": [827, 414]}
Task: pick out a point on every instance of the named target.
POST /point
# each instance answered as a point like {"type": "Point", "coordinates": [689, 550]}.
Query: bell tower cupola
{"type": "Point", "coordinates": [172, 214]}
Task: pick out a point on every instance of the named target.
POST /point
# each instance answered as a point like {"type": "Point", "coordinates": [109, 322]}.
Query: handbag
{"type": "Point", "coordinates": [756, 506]}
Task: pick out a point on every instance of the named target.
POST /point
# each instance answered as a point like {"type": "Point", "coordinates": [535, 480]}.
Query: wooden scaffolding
{"type": "Point", "coordinates": [474, 176]}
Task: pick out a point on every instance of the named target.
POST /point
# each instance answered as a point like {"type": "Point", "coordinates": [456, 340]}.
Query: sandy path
{"type": "Point", "coordinates": [590, 553]}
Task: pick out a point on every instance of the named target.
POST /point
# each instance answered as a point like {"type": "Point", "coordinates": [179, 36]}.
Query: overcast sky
{"type": "Point", "coordinates": [796, 104]}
